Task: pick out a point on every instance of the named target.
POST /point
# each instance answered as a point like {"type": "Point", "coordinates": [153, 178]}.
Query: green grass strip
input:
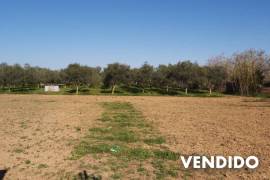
{"type": "Point", "coordinates": [123, 134]}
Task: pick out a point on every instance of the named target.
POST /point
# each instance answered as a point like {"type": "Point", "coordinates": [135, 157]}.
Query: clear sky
{"type": "Point", "coordinates": [54, 33]}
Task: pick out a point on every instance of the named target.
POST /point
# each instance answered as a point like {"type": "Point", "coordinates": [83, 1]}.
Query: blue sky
{"type": "Point", "coordinates": [54, 33]}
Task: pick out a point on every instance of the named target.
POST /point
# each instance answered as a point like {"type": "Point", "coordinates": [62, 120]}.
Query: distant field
{"type": "Point", "coordinates": [122, 91]}
{"type": "Point", "coordinates": [126, 91]}
{"type": "Point", "coordinates": [125, 137]}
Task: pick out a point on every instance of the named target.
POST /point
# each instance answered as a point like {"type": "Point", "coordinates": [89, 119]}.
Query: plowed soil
{"type": "Point", "coordinates": [38, 132]}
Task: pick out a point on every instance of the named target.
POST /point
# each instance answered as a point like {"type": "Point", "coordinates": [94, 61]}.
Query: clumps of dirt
{"type": "Point", "coordinates": [42, 129]}
{"type": "Point", "coordinates": [224, 126]}
{"type": "Point", "coordinates": [38, 134]}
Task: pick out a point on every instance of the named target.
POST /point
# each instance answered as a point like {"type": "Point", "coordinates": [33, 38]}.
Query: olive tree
{"type": "Point", "coordinates": [77, 75]}
{"type": "Point", "coordinates": [144, 76]}
{"type": "Point", "coordinates": [116, 74]}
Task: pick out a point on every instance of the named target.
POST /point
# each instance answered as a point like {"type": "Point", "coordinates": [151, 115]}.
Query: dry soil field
{"type": "Point", "coordinates": [38, 132]}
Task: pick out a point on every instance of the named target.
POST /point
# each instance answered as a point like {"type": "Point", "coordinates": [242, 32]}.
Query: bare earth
{"type": "Point", "coordinates": [38, 132]}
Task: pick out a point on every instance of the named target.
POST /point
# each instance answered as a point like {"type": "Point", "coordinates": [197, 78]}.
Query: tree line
{"type": "Point", "coordinates": [244, 73]}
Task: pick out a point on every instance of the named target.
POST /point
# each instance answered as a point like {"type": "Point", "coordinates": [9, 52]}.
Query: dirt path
{"type": "Point", "coordinates": [38, 132]}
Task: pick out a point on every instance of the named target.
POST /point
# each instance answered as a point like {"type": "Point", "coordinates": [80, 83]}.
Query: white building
{"type": "Point", "coordinates": [52, 88]}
